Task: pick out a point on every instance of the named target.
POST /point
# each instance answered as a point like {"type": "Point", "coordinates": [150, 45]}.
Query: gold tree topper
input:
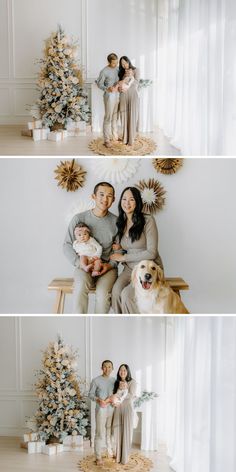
{"type": "Point", "coordinates": [153, 195]}
{"type": "Point", "coordinates": [167, 166]}
{"type": "Point", "coordinates": [70, 175]}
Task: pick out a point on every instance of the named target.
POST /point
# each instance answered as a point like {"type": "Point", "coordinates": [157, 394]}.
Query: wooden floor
{"type": "Point", "coordinates": [15, 459]}
{"type": "Point", "coordinates": [13, 144]}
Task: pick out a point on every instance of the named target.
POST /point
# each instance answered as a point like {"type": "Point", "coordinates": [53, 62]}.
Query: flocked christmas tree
{"type": "Point", "coordinates": [60, 83]}
{"type": "Point", "coordinates": [62, 410]}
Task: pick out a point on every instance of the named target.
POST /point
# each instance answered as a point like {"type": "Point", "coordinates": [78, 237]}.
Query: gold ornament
{"type": "Point", "coordinates": [167, 166]}
{"type": "Point", "coordinates": [70, 175]}
{"type": "Point", "coordinates": [153, 195]}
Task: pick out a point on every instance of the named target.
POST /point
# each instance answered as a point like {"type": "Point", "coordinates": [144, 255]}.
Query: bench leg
{"type": "Point", "coordinates": [59, 305]}
{"type": "Point", "coordinates": [178, 292]}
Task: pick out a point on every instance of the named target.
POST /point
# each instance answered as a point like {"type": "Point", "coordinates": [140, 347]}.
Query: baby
{"type": "Point", "coordinates": [118, 397]}
{"type": "Point", "coordinates": [88, 249]}
{"type": "Point", "coordinates": [124, 84]}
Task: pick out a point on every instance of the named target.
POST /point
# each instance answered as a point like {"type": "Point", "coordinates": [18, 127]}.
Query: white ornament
{"type": "Point", "coordinates": [79, 207]}
{"type": "Point", "coordinates": [117, 170]}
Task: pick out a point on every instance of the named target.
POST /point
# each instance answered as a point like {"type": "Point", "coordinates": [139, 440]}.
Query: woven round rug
{"type": "Point", "coordinates": [137, 463]}
{"type": "Point", "coordinates": [142, 146]}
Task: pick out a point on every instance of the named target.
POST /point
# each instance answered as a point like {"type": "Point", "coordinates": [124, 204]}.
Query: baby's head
{"type": "Point", "coordinates": [82, 233]}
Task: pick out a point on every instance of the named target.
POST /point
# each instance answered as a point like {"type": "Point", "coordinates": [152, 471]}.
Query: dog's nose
{"type": "Point", "coordinates": [147, 276]}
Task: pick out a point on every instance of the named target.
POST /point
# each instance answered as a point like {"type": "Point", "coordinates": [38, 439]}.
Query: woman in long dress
{"type": "Point", "coordinates": [124, 415]}
{"type": "Point", "coordinates": [129, 101]}
{"type": "Point", "coordinates": [137, 235]}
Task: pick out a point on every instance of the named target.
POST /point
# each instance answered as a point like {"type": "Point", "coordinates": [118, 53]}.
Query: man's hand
{"type": "Point", "coordinates": [110, 89]}
{"type": "Point", "coordinates": [117, 257]}
{"type": "Point", "coordinates": [101, 402]}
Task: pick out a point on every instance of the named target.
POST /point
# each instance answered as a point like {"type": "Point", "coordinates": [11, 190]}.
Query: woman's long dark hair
{"type": "Point", "coordinates": [121, 69]}
{"type": "Point", "coordinates": [118, 378]}
{"type": "Point", "coordinates": [138, 217]}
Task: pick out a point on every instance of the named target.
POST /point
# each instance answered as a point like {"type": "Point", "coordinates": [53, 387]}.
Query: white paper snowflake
{"type": "Point", "coordinates": [117, 170]}
{"type": "Point", "coordinates": [79, 206]}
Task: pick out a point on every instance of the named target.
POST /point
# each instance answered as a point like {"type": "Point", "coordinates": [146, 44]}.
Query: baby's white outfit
{"type": "Point", "coordinates": [121, 394]}
{"type": "Point", "coordinates": [90, 248]}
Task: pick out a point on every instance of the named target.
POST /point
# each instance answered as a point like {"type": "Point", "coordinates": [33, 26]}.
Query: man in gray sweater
{"type": "Point", "coordinates": [102, 224]}
{"type": "Point", "coordinates": [106, 80]}
{"type": "Point", "coordinates": [100, 389]}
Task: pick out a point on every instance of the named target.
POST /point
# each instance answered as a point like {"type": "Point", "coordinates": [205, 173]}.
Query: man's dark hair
{"type": "Point", "coordinates": [107, 360]}
{"type": "Point", "coordinates": [103, 184]}
{"type": "Point", "coordinates": [82, 225]}
{"type": "Point", "coordinates": [112, 57]}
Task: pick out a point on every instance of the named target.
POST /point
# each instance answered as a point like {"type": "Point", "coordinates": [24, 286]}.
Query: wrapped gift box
{"type": "Point", "coordinates": [73, 440]}
{"type": "Point", "coordinates": [73, 443]}
{"type": "Point", "coordinates": [86, 444]}
{"type": "Point", "coordinates": [24, 445]}
{"type": "Point", "coordinates": [35, 447]}
{"type": "Point", "coordinates": [31, 437]}
{"type": "Point", "coordinates": [39, 134]}
{"type": "Point", "coordinates": [55, 136]}
{"type": "Point", "coordinates": [51, 449]}
{"type": "Point", "coordinates": [81, 125]}
{"type": "Point", "coordinates": [35, 124]}
{"type": "Point", "coordinates": [73, 448]}
{"type": "Point", "coordinates": [27, 132]}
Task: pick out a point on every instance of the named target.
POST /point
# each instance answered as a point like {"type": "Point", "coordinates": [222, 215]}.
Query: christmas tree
{"type": "Point", "coordinates": [61, 410]}
{"type": "Point", "coordinates": [62, 96]}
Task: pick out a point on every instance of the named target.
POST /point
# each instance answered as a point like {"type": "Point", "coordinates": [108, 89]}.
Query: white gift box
{"type": "Point", "coordinates": [73, 448]}
{"type": "Point", "coordinates": [44, 133]}
{"type": "Point", "coordinates": [73, 440]}
{"type": "Point", "coordinates": [86, 443]}
{"type": "Point", "coordinates": [31, 437]}
{"type": "Point", "coordinates": [39, 134]}
{"type": "Point", "coordinates": [73, 132]}
{"type": "Point", "coordinates": [81, 125]}
{"type": "Point", "coordinates": [51, 449]}
{"type": "Point", "coordinates": [64, 133]}
{"type": "Point", "coordinates": [71, 125]}
{"type": "Point", "coordinates": [35, 124]}
{"type": "Point", "coordinates": [55, 136]}
{"type": "Point", "coordinates": [35, 447]}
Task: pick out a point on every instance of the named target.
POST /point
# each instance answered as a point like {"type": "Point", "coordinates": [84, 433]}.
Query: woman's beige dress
{"type": "Point", "coordinates": [123, 424]}
{"type": "Point", "coordinates": [129, 111]}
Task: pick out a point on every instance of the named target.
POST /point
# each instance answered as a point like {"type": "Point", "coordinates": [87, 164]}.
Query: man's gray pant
{"type": "Point", "coordinates": [83, 282]}
{"type": "Point", "coordinates": [111, 104]}
{"type": "Point", "coordinates": [103, 431]}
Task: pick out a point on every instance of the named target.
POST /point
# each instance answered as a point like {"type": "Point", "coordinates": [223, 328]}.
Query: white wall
{"type": "Point", "coordinates": [140, 342]}
{"type": "Point", "coordinates": [196, 230]}
{"type": "Point", "coordinates": [127, 27]}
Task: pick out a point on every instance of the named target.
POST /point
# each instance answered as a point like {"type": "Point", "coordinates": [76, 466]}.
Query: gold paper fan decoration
{"type": "Point", "coordinates": [167, 166]}
{"type": "Point", "coordinates": [70, 175]}
{"type": "Point", "coordinates": [153, 195]}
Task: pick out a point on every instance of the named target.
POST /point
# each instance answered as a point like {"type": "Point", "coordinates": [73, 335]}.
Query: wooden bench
{"type": "Point", "coordinates": [64, 286]}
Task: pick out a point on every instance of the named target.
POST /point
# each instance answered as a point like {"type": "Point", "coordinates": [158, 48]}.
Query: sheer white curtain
{"type": "Point", "coordinates": [197, 75]}
{"type": "Point", "coordinates": [201, 394]}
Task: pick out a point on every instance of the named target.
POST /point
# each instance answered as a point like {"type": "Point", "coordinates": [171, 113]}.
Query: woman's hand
{"type": "Point", "coordinates": [117, 257]}
{"type": "Point", "coordinates": [116, 247]}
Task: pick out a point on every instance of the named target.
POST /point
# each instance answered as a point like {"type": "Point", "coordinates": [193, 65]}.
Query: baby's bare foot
{"type": "Point", "coordinates": [88, 268]}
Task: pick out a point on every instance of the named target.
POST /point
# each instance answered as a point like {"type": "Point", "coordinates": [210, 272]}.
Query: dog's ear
{"type": "Point", "coordinates": [134, 275]}
{"type": "Point", "coordinates": [160, 273]}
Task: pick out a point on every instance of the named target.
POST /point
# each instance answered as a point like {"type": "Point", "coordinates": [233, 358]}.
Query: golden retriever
{"type": "Point", "coordinates": [154, 295]}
